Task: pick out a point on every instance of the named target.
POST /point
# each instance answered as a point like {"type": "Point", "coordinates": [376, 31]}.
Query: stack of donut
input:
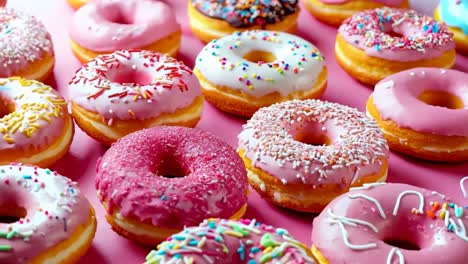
{"type": "Point", "coordinates": [164, 183]}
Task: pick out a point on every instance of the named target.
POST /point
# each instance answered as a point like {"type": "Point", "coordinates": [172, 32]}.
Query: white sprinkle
{"type": "Point", "coordinates": [344, 233]}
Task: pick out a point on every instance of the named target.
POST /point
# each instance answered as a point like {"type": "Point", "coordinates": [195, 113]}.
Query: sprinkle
{"type": "Point", "coordinates": [5, 248]}
{"type": "Point", "coordinates": [462, 186]}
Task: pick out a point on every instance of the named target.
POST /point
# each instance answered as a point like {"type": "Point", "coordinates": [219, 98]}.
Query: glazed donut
{"type": "Point", "coordinates": [36, 127]}
{"type": "Point", "coordinates": [245, 71]}
{"type": "Point", "coordinates": [334, 12]}
{"type": "Point", "coordinates": [214, 19]}
{"type": "Point", "coordinates": [75, 4]}
{"type": "Point", "coordinates": [103, 27]}
{"type": "Point", "coordinates": [116, 94]}
{"type": "Point", "coordinates": [53, 221]}
{"type": "Point", "coordinates": [26, 48]}
{"type": "Point", "coordinates": [419, 112]}
{"type": "Point", "coordinates": [225, 241]}
{"type": "Point", "coordinates": [391, 223]}
{"type": "Point", "coordinates": [302, 154]}
{"type": "Point", "coordinates": [370, 54]}
{"type": "Point", "coordinates": [155, 181]}
{"type": "Point", "coordinates": [454, 14]}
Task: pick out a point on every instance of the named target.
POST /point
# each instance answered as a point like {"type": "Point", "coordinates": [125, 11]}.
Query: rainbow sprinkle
{"type": "Point", "coordinates": [375, 28]}
{"type": "Point", "coordinates": [246, 13]}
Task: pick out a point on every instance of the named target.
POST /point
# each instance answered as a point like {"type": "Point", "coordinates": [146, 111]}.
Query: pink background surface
{"type": "Point", "coordinates": [79, 163]}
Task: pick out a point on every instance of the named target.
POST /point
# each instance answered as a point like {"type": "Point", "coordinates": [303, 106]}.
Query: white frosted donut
{"type": "Point", "coordinates": [260, 63]}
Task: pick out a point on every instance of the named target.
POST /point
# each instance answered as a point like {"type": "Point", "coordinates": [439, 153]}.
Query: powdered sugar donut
{"type": "Point", "coordinates": [302, 154]}
{"type": "Point", "coordinates": [391, 223]}
{"type": "Point", "coordinates": [26, 48]}
{"type": "Point", "coordinates": [156, 181]}
{"type": "Point", "coordinates": [129, 90]}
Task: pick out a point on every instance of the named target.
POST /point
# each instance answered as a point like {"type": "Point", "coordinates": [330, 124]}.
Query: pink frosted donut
{"type": "Point", "coordinates": [374, 44]}
{"type": "Point", "coordinates": [26, 48]}
{"type": "Point", "coordinates": [154, 182]}
{"type": "Point", "coordinates": [302, 154]}
{"type": "Point", "coordinates": [391, 223]}
{"type": "Point", "coordinates": [119, 93]}
{"type": "Point", "coordinates": [54, 221]}
{"type": "Point", "coordinates": [109, 25]}
{"type": "Point", "coordinates": [223, 241]}
{"type": "Point", "coordinates": [420, 112]}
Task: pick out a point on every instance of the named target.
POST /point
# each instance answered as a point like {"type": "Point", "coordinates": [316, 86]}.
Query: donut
{"type": "Point", "coordinates": [391, 223]}
{"type": "Point", "coordinates": [48, 219]}
{"type": "Point", "coordinates": [419, 112]}
{"type": "Point", "coordinates": [408, 40]}
{"type": "Point", "coordinates": [3, 2]}
{"type": "Point", "coordinates": [155, 181]}
{"type": "Point", "coordinates": [334, 12]}
{"type": "Point", "coordinates": [119, 93]}
{"type": "Point", "coordinates": [245, 71]}
{"type": "Point", "coordinates": [454, 14]}
{"type": "Point", "coordinates": [225, 241]}
{"type": "Point", "coordinates": [214, 19]}
{"type": "Point", "coordinates": [36, 127]}
{"type": "Point", "coordinates": [102, 27]}
{"type": "Point", "coordinates": [76, 4]}
{"type": "Point", "coordinates": [26, 48]}
{"type": "Point", "coordinates": [302, 154]}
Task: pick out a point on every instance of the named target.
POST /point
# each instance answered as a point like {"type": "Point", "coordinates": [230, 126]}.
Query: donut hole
{"type": "Point", "coordinates": [394, 34]}
{"type": "Point", "coordinates": [311, 134]}
{"type": "Point", "coordinates": [442, 99]}
{"type": "Point", "coordinates": [171, 168]}
{"type": "Point", "coordinates": [402, 243]}
{"type": "Point", "coordinates": [259, 56]}
{"type": "Point", "coordinates": [118, 16]}
{"type": "Point", "coordinates": [6, 107]}
{"type": "Point", "coordinates": [128, 75]}
{"type": "Point", "coordinates": [11, 214]}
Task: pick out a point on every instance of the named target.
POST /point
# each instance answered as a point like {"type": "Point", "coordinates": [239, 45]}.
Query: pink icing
{"type": "Point", "coordinates": [23, 40]}
{"type": "Point", "coordinates": [246, 241]}
{"type": "Point", "coordinates": [134, 85]}
{"type": "Point", "coordinates": [385, 2]}
{"type": "Point", "coordinates": [128, 177]}
{"type": "Point", "coordinates": [396, 98]}
{"type": "Point", "coordinates": [54, 205]}
{"type": "Point", "coordinates": [398, 223]}
{"type": "Point", "coordinates": [358, 148]}
{"type": "Point", "coordinates": [110, 25]}
{"type": "Point", "coordinates": [39, 118]}
{"type": "Point", "coordinates": [422, 37]}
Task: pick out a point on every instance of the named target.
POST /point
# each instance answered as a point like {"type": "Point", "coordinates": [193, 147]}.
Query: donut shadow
{"type": "Point", "coordinates": [92, 256]}
{"type": "Point", "coordinates": [461, 63]}
{"type": "Point", "coordinates": [51, 81]}
{"type": "Point", "coordinates": [72, 166]}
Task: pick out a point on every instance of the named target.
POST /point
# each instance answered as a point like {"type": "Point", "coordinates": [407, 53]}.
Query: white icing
{"type": "Point", "coordinates": [402, 194]}
{"type": "Point", "coordinates": [371, 199]}
{"type": "Point", "coordinates": [401, 258]}
{"type": "Point", "coordinates": [460, 231]}
{"type": "Point", "coordinates": [462, 186]}
{"type": "Point", "coordinates": [351, 221]}
{"type": "Point", "coordinates": [287, 48]}
{"type": "Point", "coordinates": [344, 233]}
